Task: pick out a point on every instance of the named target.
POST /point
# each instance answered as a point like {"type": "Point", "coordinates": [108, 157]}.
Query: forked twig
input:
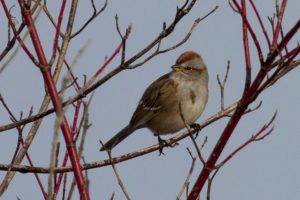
{"type": "Point", "coordinates": [158, 51]}
{"type": "Point", "coordinates": [94, 15]}
{"type": "Point", "coordinates": [180, 13]}
{"type": "Point", "coordinates": [187, 179]}
{"type": "Point", "coordinates": [189, 129]}
{"type": "Point", "coordinates": [256, 137]}
{"type": "Point", "coordinates": [223, 83]}
{"type": "Point", "coordinates": [120, 182]}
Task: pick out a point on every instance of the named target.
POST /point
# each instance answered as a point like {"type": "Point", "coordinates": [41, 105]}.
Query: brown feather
{"type": "Point", "coordinates": [189, 55]}
{"type": "Point", "coordinates": [152, 99]}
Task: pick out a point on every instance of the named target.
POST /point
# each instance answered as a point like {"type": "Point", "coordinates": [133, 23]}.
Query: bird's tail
{"type": "Point", "coordinates": [119, 137]}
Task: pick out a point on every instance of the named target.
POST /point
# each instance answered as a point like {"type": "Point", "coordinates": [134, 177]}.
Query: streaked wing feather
{"type": "Point", "coordinates": [153, 100]}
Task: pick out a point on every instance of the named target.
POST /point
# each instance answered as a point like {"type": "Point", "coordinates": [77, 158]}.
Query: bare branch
{"type": "Point", "coordinates": [187, 179]}
{"type": "Point", "coordinates": [124, 157]}
{"type": "Point", "coordinates": [182, 12]}
{"type": "Point", "coordinates": [222, 85]}
{"type": "Point", "coordinates": [123, 38]}
{"type": "Point", "coordinates": [94, 15]}
{"type": "Point", "coordinates": [120, 182]}
{"type": "Point", "coordinates": [258, 136]}
{"type": "Point", "coordinates": [187, 36]}
{"type": "Point", "coordinates": [11, 42]}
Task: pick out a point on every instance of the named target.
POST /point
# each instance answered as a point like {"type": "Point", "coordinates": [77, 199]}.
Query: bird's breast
{"type": "Point", "coordinates": [188, 103]}
{"type": "Point", "coordinates": [192, 98]}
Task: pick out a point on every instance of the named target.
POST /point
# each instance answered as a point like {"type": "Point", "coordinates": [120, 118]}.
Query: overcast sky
{"type": "Point", "coordinates": [267, 169]}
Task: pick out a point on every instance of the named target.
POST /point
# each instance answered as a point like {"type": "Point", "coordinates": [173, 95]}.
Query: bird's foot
{"type": "Point", "coordinates": [197, 128]}
{"type": "Point", "coordinates": [162, 143]}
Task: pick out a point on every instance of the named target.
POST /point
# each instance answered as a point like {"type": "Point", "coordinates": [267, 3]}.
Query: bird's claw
{"type": "Point", "coordinates": [197, 128]}
{"type": "Point", "coordinates": [162, 143]}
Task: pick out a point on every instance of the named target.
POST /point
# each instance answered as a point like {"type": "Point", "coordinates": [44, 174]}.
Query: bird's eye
{"type": "Point", "coordinates": [188, 68]}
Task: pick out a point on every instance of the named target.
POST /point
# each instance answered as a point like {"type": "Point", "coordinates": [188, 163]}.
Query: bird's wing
{"type": "Point", "coordinates": [158, 96]}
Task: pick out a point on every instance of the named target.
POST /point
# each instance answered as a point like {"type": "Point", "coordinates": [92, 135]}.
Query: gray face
{"type": "Point", "coordinates": [196, 63]}
{"type": "Point", "coordinates": [192, 68]}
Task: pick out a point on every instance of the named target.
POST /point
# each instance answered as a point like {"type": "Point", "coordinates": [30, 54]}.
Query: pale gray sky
{"type": "Point", "coordinates": [264, 170]}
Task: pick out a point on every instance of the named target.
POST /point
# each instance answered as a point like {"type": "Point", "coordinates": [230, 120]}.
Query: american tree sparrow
{"type": "Point", "coordinates": [173, 101]}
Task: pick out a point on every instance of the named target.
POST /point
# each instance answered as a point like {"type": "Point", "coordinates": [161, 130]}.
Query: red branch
{"type": "Point", "coordinates": [55, 101]}
{"type": "Point", "coordinates": [60, 17]}
{"type": "Point", "coordinates": [234, 120]}
{"type": "Point", "coordinates": [65, 185]}
{"type": "Point", "coordinates": [248, 97]}
{"type": "Point", "coordinates": [57, 185]}
{"type": "Point", "coordinates": [109, 60]}
{"type": "Point", "coordinates": [278, 25]}
{"type": "Point", "coordinates": [252, 33]}
{"type": "Point", "coordinates": [11, 23]}
{"type": "Point", "coordinates": [73, 131]}
{"type": "Point", "coordinates": [20, 129]}
{"type": "Point", "coordinates": [254, 138]}
{"type": "Point", "coordinates": [246, 48]}
{"type": "Point", "coordinates": [292, 52]}
{"type": "Point", "coordinates": [261, 23]}
{"type": "Point", "coordinates": [75, 83]}
{"type": "Point", "coordinates": [283, 43]}
{"type": "Point", "coordinates": [74, 79]}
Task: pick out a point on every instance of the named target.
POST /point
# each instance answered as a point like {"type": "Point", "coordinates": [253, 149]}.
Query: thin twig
{"type": "Point", "coordinates": [256, 137]}
{"type": "Point", "coordinates": [112, 196]}
{"type": "Point", "coordinates": [158, 51]}
{"type": "Point", "coordinates": [12, 42]}
{"type": "Point", "coordinates": [123, 38]}
{"type": "Point", "coordinates": [209, 183]}
{"type": "Point", "coordinates": [86, 125]}
{"type": "Point", "coordinates": [64, 186]}
{"type": "Point", "coordinates": [261, 23]}
{"type": "Point", "coordinates": [55, 42]}
{"type": "Point", "coordinates": [246, 47]}
{"type": "Point", "coordinates": [223, 84]}
{"type": "Point", "coordinates": [51, 88]}
{"type": "Point", "coordinates": [278, 25]}
{"type": "Point", "coordinates": [14, 53]}
{"type": "Point", "coordinates": [189, 129]}
{"type": "Point", "coordinates": [12, 25]}
{"type": "Point", "coordinates": [53, 158]}
{"type": "Point", "coordinates": [15, 158]}
{"type": "Point", "coordinates": [246, 99]}
{"type": "Point", "coordinates": [48, 14]}
{"type": "Point", "coordinates": [94, 15]}
{"type": "Point", "coordinates": [120, 182]}
{"type": "Point", "coordinates": [251, 31]}
{"type": "Point", "coordinates": [114, 72]}
{"type": "Point", "coordinates": [124, 157]}
{"type": "Point", "coordinates": [249, 110]}
{"type": "Point", "coordinates": [187, 179]}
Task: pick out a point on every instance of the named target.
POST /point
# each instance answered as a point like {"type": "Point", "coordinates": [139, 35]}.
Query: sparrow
{"type": "Point", "coordinates": [171, 102]}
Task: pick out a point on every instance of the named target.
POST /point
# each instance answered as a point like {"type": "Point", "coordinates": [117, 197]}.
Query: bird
{"type": "Point", "coordinates": [171, 102]}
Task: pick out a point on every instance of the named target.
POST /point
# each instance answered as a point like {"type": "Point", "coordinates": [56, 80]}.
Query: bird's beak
{"type": "Point", "coordinates": [177, 68]}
